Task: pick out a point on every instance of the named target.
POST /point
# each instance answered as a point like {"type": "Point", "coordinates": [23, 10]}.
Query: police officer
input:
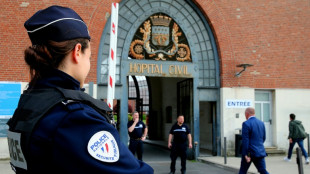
{"type": "Point", "coordinates": [180, 133]}
{"type": "Point", "coordinates": [137, 133]}
{"type": "Point", "coordinates": [57, 128]}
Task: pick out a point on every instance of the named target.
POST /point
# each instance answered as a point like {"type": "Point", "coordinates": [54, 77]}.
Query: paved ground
{"type": "Point", "coordinates": [158, 158]}
{"type": "Point", "coordinates": [275, 164]}
{"type": "Point", "coordinates": [5, 167]}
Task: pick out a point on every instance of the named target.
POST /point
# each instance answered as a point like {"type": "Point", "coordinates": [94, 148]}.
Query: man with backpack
{"type": "Point", "coordinates": [297, 135]}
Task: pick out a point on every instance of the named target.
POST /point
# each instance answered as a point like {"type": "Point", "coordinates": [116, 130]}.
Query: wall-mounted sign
{"type": "Point", "coordinates": [160, 69]}
{"type": "Point", "coordinates": [238, 103]}
{"type": "Point", "coordinates": [9, 97]}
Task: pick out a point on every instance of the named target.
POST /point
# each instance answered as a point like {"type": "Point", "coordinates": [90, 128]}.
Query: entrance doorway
{"type": "Point", "coordinates": [207, 124]}
{"type": "Point", "coordinates": [185, 100]}
{"type": "Point", "coordinates": [263, 112]}
{"type": "Point", "coordinates": [168, 97]}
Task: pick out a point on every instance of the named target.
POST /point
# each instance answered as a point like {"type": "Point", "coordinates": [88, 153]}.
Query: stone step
{"type": "Point", "coordinates": [273, 151]}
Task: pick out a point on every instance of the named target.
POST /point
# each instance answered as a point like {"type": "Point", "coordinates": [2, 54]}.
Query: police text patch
{"type": "Point", "coordinates": [103, 146]}
{"type": "Point", "coordinates": [16, 154]}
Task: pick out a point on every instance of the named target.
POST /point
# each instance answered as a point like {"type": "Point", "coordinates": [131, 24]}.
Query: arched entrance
{"type": "Point", "coordinates": [171, 44]}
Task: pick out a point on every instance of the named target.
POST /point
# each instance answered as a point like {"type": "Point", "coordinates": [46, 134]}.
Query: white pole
{"type": "Point", "coordinates": [112, 55]}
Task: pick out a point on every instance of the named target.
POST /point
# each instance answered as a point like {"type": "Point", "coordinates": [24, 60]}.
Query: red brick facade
{"type": "Point", "coordinates": [271, 35]}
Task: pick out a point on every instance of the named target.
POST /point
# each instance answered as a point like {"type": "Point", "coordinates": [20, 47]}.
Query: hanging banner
{"type": "Point", "coordinates": [112, 55]}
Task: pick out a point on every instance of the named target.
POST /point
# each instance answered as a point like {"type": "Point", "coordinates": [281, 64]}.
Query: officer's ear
{"type": "Point", "coordinates": [76, 53]}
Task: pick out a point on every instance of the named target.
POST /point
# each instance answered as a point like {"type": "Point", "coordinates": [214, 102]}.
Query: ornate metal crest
{"type": "Point", "coordinates": [160, 38]}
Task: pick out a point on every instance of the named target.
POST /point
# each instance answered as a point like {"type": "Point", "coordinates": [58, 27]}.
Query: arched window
{"type": "Point", "coordinates": [138, 90]}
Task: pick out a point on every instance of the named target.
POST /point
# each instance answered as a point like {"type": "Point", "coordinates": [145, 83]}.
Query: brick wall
{"type": "Point", "coordinates": [14, 39]}
{"type": "Point", "coordinates": [271, 34]}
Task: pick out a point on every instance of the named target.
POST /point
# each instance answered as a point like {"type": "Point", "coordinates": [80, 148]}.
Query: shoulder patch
{"type": "Point", "coordinates": [103, 147]}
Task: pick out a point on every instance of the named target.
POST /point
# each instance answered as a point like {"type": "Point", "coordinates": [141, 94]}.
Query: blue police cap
{"type": "Point", "coordinates": [55, 23]}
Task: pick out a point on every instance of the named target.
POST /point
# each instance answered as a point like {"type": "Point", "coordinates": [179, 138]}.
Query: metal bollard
{"type": "Point", "coordinates": [225, 152]}
{"type": "Point", "coordinates": [195, 150]}
{"type": "Point", "coordinates": [308, 140]}
{"type": "Point", "coordinates": [299, 161]}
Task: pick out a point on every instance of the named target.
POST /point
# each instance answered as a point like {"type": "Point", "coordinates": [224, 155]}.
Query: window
{"type": "Point", "coordinates": [263, 105]}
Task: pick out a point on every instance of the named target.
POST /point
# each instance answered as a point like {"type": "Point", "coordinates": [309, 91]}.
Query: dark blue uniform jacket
{"type": "Point", "coordinates": [179, 133]}
{"type": "Point", "coordinates": [138, 131]}
{"type": "Point", "coordinates": [59, 143]}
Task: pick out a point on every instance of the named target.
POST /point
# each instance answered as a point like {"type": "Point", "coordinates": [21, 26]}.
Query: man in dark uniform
{"type": "Point", "coordinates": [180, 133]}
{"type": "Point", "coordinates": [137, 133]}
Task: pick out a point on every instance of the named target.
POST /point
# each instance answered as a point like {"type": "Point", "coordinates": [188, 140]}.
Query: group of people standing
{"type": "Point", "coordinates": [179, 135]}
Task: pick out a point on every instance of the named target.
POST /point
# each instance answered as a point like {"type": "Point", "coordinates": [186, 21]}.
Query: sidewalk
{"type": "Point", "coordinates": [275, 164]}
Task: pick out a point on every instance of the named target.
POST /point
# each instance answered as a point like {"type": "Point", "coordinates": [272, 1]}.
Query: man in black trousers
{"type": "Point", "coordinates": [137, 133]}
{"type": "Point", "coordinates": [180, 134]}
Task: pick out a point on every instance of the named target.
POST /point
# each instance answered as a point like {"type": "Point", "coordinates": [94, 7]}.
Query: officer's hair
{"type": "Point", "coordinates": [292, 116]}
{"type": "Point", "coordinates": [180, 115]}
{"type": "Point", "coordinates": [49, 55]}
{"type": "Point", "coordinates": [134, 112]}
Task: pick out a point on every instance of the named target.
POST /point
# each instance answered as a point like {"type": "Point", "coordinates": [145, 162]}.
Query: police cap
{"type": "Point", "coordinates": [55, 23]}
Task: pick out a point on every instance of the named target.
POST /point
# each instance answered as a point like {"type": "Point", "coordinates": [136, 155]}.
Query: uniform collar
{"type": "Point", "coordinates": [57, 78]}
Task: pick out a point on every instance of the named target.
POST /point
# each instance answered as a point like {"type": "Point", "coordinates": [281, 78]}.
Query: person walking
{"type": "Point", "coordinates": [57, 128]}
{"type": "Point", "coordinates": [297, 135]}
{"type": "Point", "coordinates": [253, 138]}
{"type": "Point", "coordinates": [137, 132]}
{"type": "Point", "coordinates": [180, 133]}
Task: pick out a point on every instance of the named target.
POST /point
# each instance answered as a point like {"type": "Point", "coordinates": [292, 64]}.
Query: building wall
{"type": "Point", "coordinates": [284, 101]}
{"type": "Point", "coordinates": [14, 38]}
{"type": "Point", "coordinates": [271, 35]}
{"type": "Point", "coordinates": [289, 101]}
{"type": "Point", "coordinates": [230, 124]}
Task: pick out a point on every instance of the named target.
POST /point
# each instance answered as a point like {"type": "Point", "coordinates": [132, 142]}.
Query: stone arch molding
{"type": "Point", "coordinates": [132, 13]}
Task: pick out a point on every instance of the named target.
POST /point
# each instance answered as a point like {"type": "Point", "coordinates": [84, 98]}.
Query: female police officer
{"type": "Point", "coordinates": [57, 128]}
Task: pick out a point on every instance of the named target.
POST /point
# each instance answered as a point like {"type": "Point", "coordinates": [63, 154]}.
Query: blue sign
{"type": "Point", "coordinates": [9, 97]}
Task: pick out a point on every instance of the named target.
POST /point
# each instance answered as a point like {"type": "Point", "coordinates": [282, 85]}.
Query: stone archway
{"type": "Point", "coordinates": [132, 13]}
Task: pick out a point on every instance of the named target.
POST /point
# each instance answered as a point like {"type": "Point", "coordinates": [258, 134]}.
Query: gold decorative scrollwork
{"type": "Point", "coordinates": [183, 53]}
{"type": "Point", "coordinates": [135, 50]}
{"type": "Point", "coordinates": [154, 43]}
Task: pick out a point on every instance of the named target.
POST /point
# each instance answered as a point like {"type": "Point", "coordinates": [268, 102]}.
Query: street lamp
{"type": "Point", "coordinates": [244, 65]}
